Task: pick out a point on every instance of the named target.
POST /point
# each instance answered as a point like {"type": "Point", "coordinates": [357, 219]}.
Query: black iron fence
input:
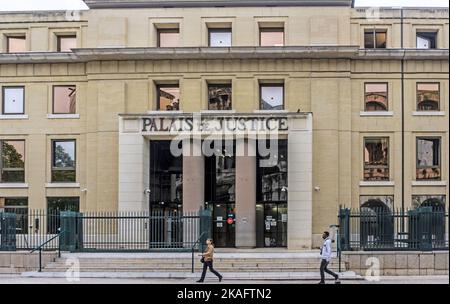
{"type": "Point", "coordinates": [422, 229]}
{"type": "Point", "coordinates": [104, 231]}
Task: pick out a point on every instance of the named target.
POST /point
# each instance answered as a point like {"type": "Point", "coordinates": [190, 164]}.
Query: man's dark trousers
{"type": "Point", "coordinates": [323, 269]}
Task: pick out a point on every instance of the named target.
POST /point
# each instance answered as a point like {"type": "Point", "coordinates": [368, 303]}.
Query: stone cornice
{"type": "Point", "coordinates": [102, 4]}
{"type": "Point", "coordinates": [184, 53]}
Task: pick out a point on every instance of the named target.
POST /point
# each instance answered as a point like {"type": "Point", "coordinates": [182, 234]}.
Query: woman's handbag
{"type": "Point", "coordinates": [202, 260]}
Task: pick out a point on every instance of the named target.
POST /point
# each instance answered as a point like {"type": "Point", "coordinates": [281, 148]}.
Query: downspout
{"type": "Point", "coordinates": [403, 113]}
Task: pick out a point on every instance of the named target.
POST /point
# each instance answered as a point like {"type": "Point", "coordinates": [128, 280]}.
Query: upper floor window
{"type": "Point", "coordinates": [376, 97]}
{"type": "Point", "coordinates": [63, 161]}
{"type": "Point", "coordinates": [376, 159]}
{"type": "Point", "coordinates": [16, 44]}
{"type": "Point", "coordinates": [271, 36]}
{"type": "Point", "coordinates": [220, 37]}
{"type": "Point", "coordinates": [12, 161]}
{"type": "Point", "coordinates": [13, 102]}
{"type": "Point", "coordinates": [168, 97]}
{"type": "Point", "coordinates": [168, 37]}
{"type": "Point", "coordinates": [426, 40]}
{"type": "Point", "coordinates": [375, 39]}
{"type": "Point", "coordinates": [428, 96]}
{"type": "Point", "coordinates": [64, 99]}
{"type": "Point", "coordinates": [271, 96]}
{"type": "Point", "coordinates": [66, 43]}
{"type": "Point", "coordinates": [428, 158]}
{"type": "Point", "coordinates": [219, 97]}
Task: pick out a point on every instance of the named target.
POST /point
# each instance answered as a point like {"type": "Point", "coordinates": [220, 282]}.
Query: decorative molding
{"type": "Point", "coordinates": [63, 116]}
{"type": "Point", "coordinates": [13, 117]}
{"type": "Point", "coordinates": [13, 185]}
{"type": "Point", "coordinates": [429, 183]}
{"type": "Point", "coordinates": [376, 113]}
{"type": "Point", "coordinates": [377, 184]}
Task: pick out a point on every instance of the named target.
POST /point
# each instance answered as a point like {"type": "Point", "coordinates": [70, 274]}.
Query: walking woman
{"type": "Point", "coordinates": [207, 258]}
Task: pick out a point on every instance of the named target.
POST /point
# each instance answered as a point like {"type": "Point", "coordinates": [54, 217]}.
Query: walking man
{"type": "Point", "coordinates": [325, 255]}
{"type": "Point", "coordinates": [207, 259]}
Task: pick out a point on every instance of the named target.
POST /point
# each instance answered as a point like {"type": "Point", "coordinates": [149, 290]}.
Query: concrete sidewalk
{"type": "Point", "coordinates": [17, 279]}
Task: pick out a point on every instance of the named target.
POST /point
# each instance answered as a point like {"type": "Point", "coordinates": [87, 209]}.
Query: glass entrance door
{"type": "Point", "coordinates": [272, 224]}
{"type": "Point", "coordinates": [224, 225]}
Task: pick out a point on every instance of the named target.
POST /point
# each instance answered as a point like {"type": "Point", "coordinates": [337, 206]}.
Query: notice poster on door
{"type": "Point", "coordinates": [220, 218]}
{"type": "Point", "coordinates": [284, 218]}
{"type": "Point", "coordinates": [219, 225]}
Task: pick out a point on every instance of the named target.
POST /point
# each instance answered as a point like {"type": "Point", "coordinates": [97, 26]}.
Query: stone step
{"type": "Point", "coordinates": [178, 269]}
{"type": "Point", "coordinates": [181, 264]}
{"type": "Point", "coordinates": [349, 275]}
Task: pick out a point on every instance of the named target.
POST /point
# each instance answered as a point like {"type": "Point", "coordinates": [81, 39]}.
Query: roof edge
{"type": "Point", "coordinates": [104, 4]}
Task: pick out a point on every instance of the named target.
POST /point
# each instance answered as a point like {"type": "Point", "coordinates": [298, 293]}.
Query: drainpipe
{"type": "Point", "coordinates": [403, 113]}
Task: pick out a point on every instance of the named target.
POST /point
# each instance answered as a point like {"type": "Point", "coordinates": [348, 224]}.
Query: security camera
{"type": "Point", "coordinates": [147, 191]}
{"type": "Point", "coordinates": [84, 190]}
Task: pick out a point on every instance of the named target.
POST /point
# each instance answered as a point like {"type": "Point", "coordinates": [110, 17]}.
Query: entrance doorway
{"type": "Point", "coordinates": [224, 226]}
{"type": "Point", "coordinates": [271, 223]}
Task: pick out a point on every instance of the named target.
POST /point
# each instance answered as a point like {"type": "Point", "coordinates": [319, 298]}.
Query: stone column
{"type": "Point", "coordinates": [245, 195]}
{"type": "Point", "coordinates": [193, 177]}
{"type": "Point", "coordinates": [300, 183]}
{"type": "Point", "coordinates": [133, 171]}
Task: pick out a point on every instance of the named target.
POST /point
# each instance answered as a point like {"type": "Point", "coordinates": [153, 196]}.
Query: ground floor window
{"type": "Point", "coordinates": [56, 205]}
{"type": "Point", "coordinates": [18, 206]}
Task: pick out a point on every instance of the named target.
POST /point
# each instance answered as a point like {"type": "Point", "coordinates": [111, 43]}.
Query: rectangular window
{"type": "Point", "coordinates": [55, 205]}
{"type": "Point", "coordinates": [428, 96]}
{"type": "Point", "coordinates": [271, 96]}
{"type": "Point", "coordinates": [64, 99]}
{"type": "Point", "coordinates": [376, 159]}
{"type": "Point", "coordinates": [426, 40]}
{"type": "Point", "coordinates": [63, 161]}
{"type": "Point", "coordinates": [271, 36]}
{"type": "Point", "coordinates": [168, 37]}
{"type": "Point", "coordinates": [428, 159]}
{"type": "Point", "coordinates": [13, 100]}
{"type": "Point", "coordinates": [375, 39]}
{"type": "Point", "coordinates": [219, 97]}
{"type": "Point", "coordinates": [16, 44]}
{"type": "Point", "coordinates": [18, 206]}
{"type": "Point", "coordinates": [168, 97]}
{"type": "Point", "coordinates": [66, 43]}
{"type": "Point", "coordinates": [12, 161]}
{"type": "Point", "coordinates": [220, 37]}
{"type": "Point", "coordinates": [376, 97]}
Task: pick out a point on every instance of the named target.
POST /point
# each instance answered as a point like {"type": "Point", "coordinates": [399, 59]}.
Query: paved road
{"type": "Point", "coordinates": [17, 279]}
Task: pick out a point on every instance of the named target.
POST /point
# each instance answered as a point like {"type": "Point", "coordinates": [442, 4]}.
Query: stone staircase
{"type": "Point", "coordinates": [245, 266]}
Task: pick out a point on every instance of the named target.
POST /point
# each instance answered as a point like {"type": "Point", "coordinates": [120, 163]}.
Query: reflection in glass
{"type": "Point", "coordinates": [19, 207]}
{"type": "Point", "coordinates": [376, 97]}
{"type": "Point", "coordinates": [168, 37]}
{"type": "Point", "coordinates": [271, 37]}
{"type": "Point", "coordinates": [220, 37]}
{"type": "Point", "coordinates": [13, 100]}
{"type": "Point", "coordinates": [66, 43]}
{"type": "Point", "coordinates": [428, 96]}
{"type": "Point", "coordinates": [64, 100]}
{"type": "Point", "coordinates": [375, 39]}
{"type": "Point", "coordinates": [219, 97]}
{"type": "Point", "coordinates": [168, 97]}
{"type": "Point", "coordinates": [272, 97]}
{"type": "Point", "coordinates": [12, 161]}
{"type": "Point", "coordinates": [376, 155]}
{"type": "Point", "coordinates": [16, 44]}
{"type": "Point", "coordinates": [426, 40]}
{"type": "Point", "coordinates": [428, 159]}
{"type": "Point", "coordinates": [63, 161]}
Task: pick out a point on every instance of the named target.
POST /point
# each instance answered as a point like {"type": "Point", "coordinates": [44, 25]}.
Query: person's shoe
{"type": "Point", "coordinates": [321, 282]}
{"type": "Point", "coordinates": [199, 281]}
{"type": "Point", "coordinates": [220, 279]}
{"type": "Point", "coordinates": [337, 281]}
